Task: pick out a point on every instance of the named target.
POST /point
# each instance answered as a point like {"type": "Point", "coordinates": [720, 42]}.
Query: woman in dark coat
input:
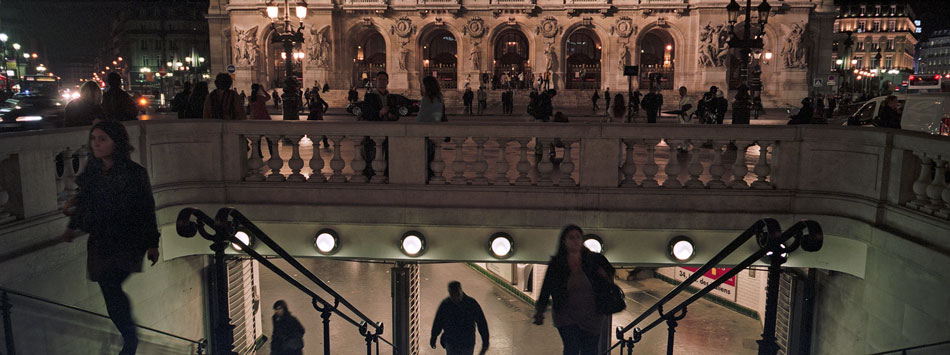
{"type": "Point", "coordinates": [575, 278]}
{"type": "Point", "coordinates": [196, 102]}
{"type": "Point", "coordinates": [287, 338]}
{"type": "Point", "coordinates": [115, 206]}
{"type": "Point", "coordinates": [87, 109]}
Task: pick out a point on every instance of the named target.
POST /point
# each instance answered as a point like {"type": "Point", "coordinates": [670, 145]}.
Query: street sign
{"type": "Point", "coordinates": [231, 69]}
{"type": "Point", "coordinates": [162, 71]}
{"type": "Point", "coordinates": [817, 83]}
{"type": "Point", "coordinates": [831, 77]}
{"type": "Point", "coordinates": [832, 83]}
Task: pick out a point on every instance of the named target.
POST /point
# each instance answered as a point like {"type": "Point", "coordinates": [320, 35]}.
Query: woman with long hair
{"type": "Point", "coordinates": [576, 279]}
{"type": "Point", "coordinates": [87, 109]}
{"type": "Point", "coordinates": [619, 110]}
{"type": "Point", "coordinates": [196, 101]}
{"type": "Point", "coordinates": [115, 206]}
{"type": "Point", "coordinates": [431, 107]}
{"type": "Point", "coordinates": [258, 100]}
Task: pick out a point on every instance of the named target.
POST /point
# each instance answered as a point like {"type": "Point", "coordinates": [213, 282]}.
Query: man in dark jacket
{"type": "Point", "coordinates": [378, 105]}
{"type": "Point", "coordinates": [607, 98]}
{"type": "Point", "coordinates": [458, 315]}
{"type": "Point", "coordinates": [467, 98]}
{"type": "Point", "coordinates": [651, 104]}
{"type": "Point", "coordinates": [116, 103]}
{"type": "Point", "coordinates": [180, 102]}
{"type": "Point", "coordinates": [287, 338]}
{"type": "Point", "coordinates": [593, 99]}
{"type": "Point", "coordinates": [804, 115]}
{"type": "Point", "coordinates": [890, 116]}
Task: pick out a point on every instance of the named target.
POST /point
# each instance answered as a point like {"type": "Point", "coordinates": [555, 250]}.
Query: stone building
{"type": "Point", "coordinates": [581, 43]}
{"type": "Point", "coordinates": [935, 54]}
{"type": "Point", "coordinates": [875, 38]}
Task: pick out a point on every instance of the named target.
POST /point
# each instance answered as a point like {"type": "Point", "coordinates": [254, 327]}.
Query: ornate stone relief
{"type": "Point", "coordinates": [624, 28]}
{"type": "Point", "coordinates": [245, 46]}
{"type": "Point", "coordinates": [368, 22]}
{"type": "Point", "coordinates": [551, 56]}
{"type": "Point", "coordinates": [624, 56]}
{"type": "Point", "coordinates": [475, 27]}
{"type": "Point", "coordinates": [511, 21]}
{"type": "Point", "coordinates": [404, 55]}
{"type": "Point", "coordinates": [549, 27]}
{"type": "Point", "coordinates": [403, 27]}
{"type": "Point", "coordinates": [794, 51]}
{"type": "Point", "coordinates": [475, 56]}
{"type": "Point", "coordinates": [587, 22]}
{"type": "Point", "coordinates": [320, 47]}
{"type": "Point", "coordinates": [713, 45]}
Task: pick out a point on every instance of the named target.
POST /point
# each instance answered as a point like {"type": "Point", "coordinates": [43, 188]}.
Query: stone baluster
{"type": "Point", "coordinates": [501, 164]}
{"type": "Point", "coordinates": [945, 195]}
{"type": "Point", "coordinates": [937, 185]}
{"type": "Point", "coordinates": [255, 162]}
{"type": "Point", "coordinates": [295, 163]}
{"type": "Point", "coordinates": [923, 180]}
{"type": "Point", "coordinates": [480, 165]}
{"type": "Point", "coordinates": [567, 165]}
{"type": "Point", "coordinates": [275, 163]}
{"type": "Point", "coordinates": [69, 175]}
{"type": "Point", "coordinates": [5, 215]}
{"type": "Point", "coordinates": [672, 168]}
{"type": "Point", "coordinates": [380, 162]}
{"type": "Point", "coordinates": [83, 154]}
{"type": "Point", "coordinates": [316, 162]}
{"type": "Point", "coordinates": [459, 165]}
{"type": "Point", "coordinates": [523, 165]}
{"type": "Point", "coordinates": [716, 169]}
{"type": "Point", "coordinates": [337, 163]}
{"type": "Point", "coordinates": [357, 163]}
{"type": "Point", "coordinates": [545, 166]}
{"type": "Point", "coordinates": [762, 168]}
{"type": "Point", "coordinates": [694, 167]}
{"type": "Point", "coordinates": [739, 169]}
{"type": "Point", "coordinates": [437, 165]}
{"type": "Point", "coordinates": [629, 167]}
{"type": "Point", "coordinates": [650, 168]}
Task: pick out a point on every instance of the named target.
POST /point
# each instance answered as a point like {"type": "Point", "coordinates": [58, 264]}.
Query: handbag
{"type": "Point", "coordinates": [611, 300]}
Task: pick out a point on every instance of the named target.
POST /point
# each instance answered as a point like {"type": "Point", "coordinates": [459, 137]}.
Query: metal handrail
{"type": "Point", "coordinates": [904, 350]}
{"type": "Point", "coordinates": [5, 291]}
{"type": "Point", "coordinates": [771, 242]}
{"type": "Point", "coordinates": [228, 222]}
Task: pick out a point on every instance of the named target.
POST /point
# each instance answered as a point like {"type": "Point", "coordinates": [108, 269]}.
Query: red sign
{"type": "Point", "coordinates": [715, 273]}
{"type": "Point", "coordinates": [162, 71]}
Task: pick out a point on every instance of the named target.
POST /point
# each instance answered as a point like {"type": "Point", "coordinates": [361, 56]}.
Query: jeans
{"type": "Point", "coordinates": [452, 350]}
{"type": "Point", "coordinates": [577, 341]}
{"type": "Point", "coordinates": [119, 309]}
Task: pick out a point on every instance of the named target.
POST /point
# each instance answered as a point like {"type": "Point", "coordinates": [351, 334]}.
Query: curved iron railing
{"type": "Point", "coordinates": [772, 243]}
{"type": "Point", "coordinates": [6, 306]}
{"type": "Point", "coordinates": [225, 225]}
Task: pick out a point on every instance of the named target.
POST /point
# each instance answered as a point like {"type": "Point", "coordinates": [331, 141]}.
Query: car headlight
{"type": "Point", "coordinates": [5, 110]}
{"type": "Point", "coordinates": [29, 118]}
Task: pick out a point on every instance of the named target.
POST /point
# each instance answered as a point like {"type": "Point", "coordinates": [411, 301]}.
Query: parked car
{"type": "Point", "coordinates": [31, 112]}
{"type": "Point", "coordinates": [920, 112]}
{"type": "Point", "coordinates": [404, 106]}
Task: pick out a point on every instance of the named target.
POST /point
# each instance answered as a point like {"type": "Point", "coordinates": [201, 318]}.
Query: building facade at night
{"type": "Point", "coordinates": [149, 37]}
{"type": "Point", "coordinates": [580, 44]}
{"type": "Point", "coordinates": [935, 54]}
{"type": "Point", "coordinates": [876, 40]}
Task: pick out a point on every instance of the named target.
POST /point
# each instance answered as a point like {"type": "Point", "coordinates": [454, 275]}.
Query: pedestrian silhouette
{"type": "Point", "coordinates": [458, 315]}
{"type": "Point", "coordinates": [287, 338]}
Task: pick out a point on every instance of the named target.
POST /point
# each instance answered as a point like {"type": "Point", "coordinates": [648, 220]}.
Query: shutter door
{"type": "Point", "coordinates": [244, 304]}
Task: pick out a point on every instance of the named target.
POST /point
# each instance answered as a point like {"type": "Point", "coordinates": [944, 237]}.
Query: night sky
{"type": "Point", "coordinates": [74, 30]}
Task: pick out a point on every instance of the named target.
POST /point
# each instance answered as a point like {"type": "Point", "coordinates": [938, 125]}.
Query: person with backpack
{"type": "Point", "coordinates": [116, 103]}
{"type": "Point", "coordinates": [223, 103]}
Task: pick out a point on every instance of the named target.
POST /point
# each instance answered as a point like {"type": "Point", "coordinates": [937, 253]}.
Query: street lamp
{"type": "Point", "coordinates": [749, 43]}
{"type": "Point", "coordinates": [288, 37]}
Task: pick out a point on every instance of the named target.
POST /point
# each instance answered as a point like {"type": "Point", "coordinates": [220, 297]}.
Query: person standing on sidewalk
{"type": "Point", "coordinates": [652, 103]}
{"type": "Point", "coordinates": [607, 100]}
{"type": "Point", "coordinates": [482, 100]}
{"type": "Point", "coordinates": [458, 315]}
{"type": "Point", "coordinates": [115, 206]}
{"type": "Point", "coordinates": [593, 99]}
{"type": "Point", "coordinates": [467, 100]}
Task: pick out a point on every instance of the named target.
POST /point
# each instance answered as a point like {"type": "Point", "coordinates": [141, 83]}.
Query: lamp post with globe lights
{"type": "Point", "coordinates": [288, 37]}
{"type": "Point", "coordinates": [748, 43]}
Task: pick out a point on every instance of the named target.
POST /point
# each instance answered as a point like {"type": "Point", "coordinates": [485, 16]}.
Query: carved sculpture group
{"type": "Point", "coordinates": [713, 46]}
{"type": "Point", "coordinates": [794, 50]}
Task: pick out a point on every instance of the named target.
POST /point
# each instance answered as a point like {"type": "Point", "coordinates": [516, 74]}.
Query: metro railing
{"type": "Point", "coordinates": [773, 244]}
{"type": "Point", "coordinates": [6, 307]}
{"type": "Point", "coordinates": [225, 225]}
